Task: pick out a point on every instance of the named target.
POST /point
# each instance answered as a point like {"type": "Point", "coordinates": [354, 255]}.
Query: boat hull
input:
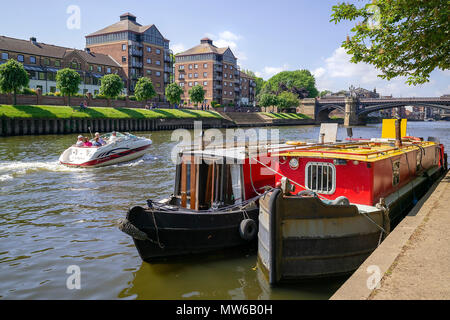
{"type": "Point", "coordinates": [182, 234]}
{"type": "Point", "coordinates": [302, 238]}
{"type": "Point", "coordinates": [124, 156]}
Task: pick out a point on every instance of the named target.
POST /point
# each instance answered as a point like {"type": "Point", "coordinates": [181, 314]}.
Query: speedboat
{"type": "Point", "coordinates": [126, 147]}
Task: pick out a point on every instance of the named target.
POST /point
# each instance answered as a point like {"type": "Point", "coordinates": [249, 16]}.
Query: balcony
{"type": "Point", "coordinates": [218, 69]}
{"type": "Point", "coordinates": [167, 58]}
{"type": "Point", "coordinates": [168, 69]}
{"type": "Point", "coordinates": [136, 64]}
{"type": "Point", "coordinates": [136, 53]}
{"type": "Point", "coordinates": [217, 87]}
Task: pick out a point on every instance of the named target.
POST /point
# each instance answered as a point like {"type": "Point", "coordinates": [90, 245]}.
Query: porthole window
{"type": "Point", "coordinates": [294, 163]}
{"type": "Point", "coordinates": [320, 177]}
{"type": "Point", "coordinates": [283, 160]}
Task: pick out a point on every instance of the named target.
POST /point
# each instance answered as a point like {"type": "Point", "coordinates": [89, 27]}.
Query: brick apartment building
{"type": "Point", "coordinates": [215, 69]}
{"type": "Point", "coordinates": [248, 89]}
{"type": "Point", "coordinates": [42, 62]}
{"type": "Point", "coordinates": [141, 51]}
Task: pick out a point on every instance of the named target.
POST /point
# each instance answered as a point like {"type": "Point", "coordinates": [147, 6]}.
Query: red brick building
{"type": "Point", "coordinates": [141, 51]}
{"type": "Point", "coordinates": [214, 68]}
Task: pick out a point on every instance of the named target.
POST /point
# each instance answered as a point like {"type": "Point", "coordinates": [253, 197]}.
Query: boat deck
{"type": "Point", "coordinates": [366, 151]}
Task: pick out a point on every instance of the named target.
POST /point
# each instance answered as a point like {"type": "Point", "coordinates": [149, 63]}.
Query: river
{"type": "Point", "coordinates": [53, 217]}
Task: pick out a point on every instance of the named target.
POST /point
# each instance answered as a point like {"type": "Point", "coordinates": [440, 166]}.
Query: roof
{"type": "Point", "coordinates": [244, 75]}
{"type": "Point", "coordinates": [203, 48]}
{"type": "Point", "coordinates": [51, 51]}
{"type": "Point", "coordinates": [123, 25]}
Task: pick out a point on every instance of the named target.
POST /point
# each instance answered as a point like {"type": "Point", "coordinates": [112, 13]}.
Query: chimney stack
{"type": "Point", "coordinates": [33, 40]}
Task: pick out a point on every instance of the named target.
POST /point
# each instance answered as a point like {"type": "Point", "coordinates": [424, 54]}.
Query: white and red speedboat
{"type": "Point", "coordinates": [126, 147]}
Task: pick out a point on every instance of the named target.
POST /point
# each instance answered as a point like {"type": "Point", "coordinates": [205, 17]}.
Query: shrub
{"type": "Point", "coordinates": [28, 91]}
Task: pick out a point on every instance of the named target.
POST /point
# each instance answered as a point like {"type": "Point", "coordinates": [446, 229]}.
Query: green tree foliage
{"type": "Point", "coordinates": [298, 79]}
{"type": "Point", "coordinates": [13, 78]}
{"type": "Point", "coordinates": [197, 94]}
{"type": "Point", "coordinates": [408, 38]}
{"type": "Point", "coordinates": [324, 93]}
{"type": "Point", "coordinates": [259, 85]}
{"type": "Point", "coordinates": [68, 82]}
{"type": "Point", "coordinates": [268, 100]}
{"type": "Point", "coordinates": [144, 89]}
{"type": "Point", "coordinates": [111, 86]}
{"type": "Point", "coordinates": [173, 93]}
{"type": "Point", "coordinates": [287, 100]}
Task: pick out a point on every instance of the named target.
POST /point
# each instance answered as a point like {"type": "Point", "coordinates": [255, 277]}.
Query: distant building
{"type": "Point", "coordinates": [358, 92]}
{"type": "Point", "coordinates": [217, 70]}
{"type": "Point", "coordinates": [42, 62]}
{"type": "Point", "coordinates": [141, 51]}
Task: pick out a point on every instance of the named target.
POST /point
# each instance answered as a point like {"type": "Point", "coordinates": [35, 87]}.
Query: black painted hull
{"type": "Point", "coordinates": [180, 234]}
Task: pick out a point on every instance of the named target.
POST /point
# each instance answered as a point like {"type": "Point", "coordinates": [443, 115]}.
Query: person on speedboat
{"type": "Point", "coordinates": [80, 142]}
{"type": "Point", "coordinates": [100, 140]}
{"type": "Point", "coordinates": [97, 142]}
{"type": "Point", "coordinates": [113, 138]}
{"type": "Point", "coordinates": [87, 143]}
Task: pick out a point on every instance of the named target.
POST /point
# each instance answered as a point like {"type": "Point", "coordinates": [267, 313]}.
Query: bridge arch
{"type": "Point", "coordinates": [323, 111]}
{"type": "Point", "coordinates": [370, 109]}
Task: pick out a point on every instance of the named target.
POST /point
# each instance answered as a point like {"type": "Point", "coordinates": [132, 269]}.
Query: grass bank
{"type": "Point", "coordinates": [60, 112]}
{"type": "Point", "coordinates": [288, 116]}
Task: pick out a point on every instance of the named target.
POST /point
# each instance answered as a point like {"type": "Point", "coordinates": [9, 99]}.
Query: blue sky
{"type": "Point", "coordinates": [267, 36]}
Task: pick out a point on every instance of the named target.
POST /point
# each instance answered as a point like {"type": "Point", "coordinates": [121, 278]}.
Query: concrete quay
{"type": "Point", "coordinates": [413, 263]}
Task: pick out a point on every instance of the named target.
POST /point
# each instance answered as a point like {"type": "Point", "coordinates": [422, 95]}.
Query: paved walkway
{"type": "Point", "coordinates": [414, 260]}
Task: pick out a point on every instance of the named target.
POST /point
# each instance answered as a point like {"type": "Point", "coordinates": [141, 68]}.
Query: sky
{"type": "Point", "coordinates": [266, 36]}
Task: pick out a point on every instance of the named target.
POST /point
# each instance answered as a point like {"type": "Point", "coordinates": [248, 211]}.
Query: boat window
{"type": "Point", "coordinates": [321, 177]}
{"type": "Point", "coordinates": [236, 180]}
{"type": "Point", "coordinates": [395, 173]}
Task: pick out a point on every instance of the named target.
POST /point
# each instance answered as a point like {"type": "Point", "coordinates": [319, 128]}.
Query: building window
{"type": "Point", "coordinates": [47, 61]}
{"type": "Point", "coordinates": [196, 66]}
{"type": "Point", "coordinates": [20, 58]}
{"type": "Point", "coordinates": [158, 62]}
{"type": "Point", "coordinates": [225, 66]}
{"type": "Point", "coordinates": [195, 75]}
{"type": "Point", "coordinates": [182, 84]}
{"type": "Point", "coordinates": [231, 76]}
{"type": "Point", "coordinates": [149, 72]}
{"type": "Point", "coordinates": [205, 65]}
{"type": "Point", "coordinates": [225, 75]}
{"type": "Point", "coordinates": [205, 74]}
{"type": "Point", "coordinates": [5, 56]}
{"type": "Point", "coordinates": [41, 76]}
{"type": "Point", "coordinates": [181, 67]}
{"type": "Point", "coordinates": [149, 49]}
{"type": "Point", "coordinates": [195, 83]}
{"type": "Point", "coordinates": [225, 84]}
{"type": "Point", "coordinates": [33, 60]}
{"type": "Point", "coordinates": [51, 76]}
{"type": "Point", "coordinates": [124, 59]}
{"type": "Point", "coordinates": [320, 176]}
{"type": "Point", "coordinates": [57, 63]}
{"type": "Point", "coordinates": [158, 51]}
{"type": "Point", "coordinates": [190, 75]}
{"type": "Point", "coordinates": [190, 84]}
{"type": "Point", "coordinates": [158, 74]}
{"type": "Point", "coordinates": [231, 67]}
{"type": "Point", "coordinates": [190, 67]}
{"type": "Point", "coordinates": [99, 69]}
{"type": "Point", "coordinates": [108, 70]}
{"type": "Point", "coordinates": [91, 68]}
{"type": "Point", "coordinates": [149, 61]}
{"type": "Point", "coordinates": [74, 65]}
{"type": "Point", "coordinates": [158, 85]}
{"type": "Point", "coordinates": [124, 47]}
{"type": "Point", "coordinates": [205, 83]}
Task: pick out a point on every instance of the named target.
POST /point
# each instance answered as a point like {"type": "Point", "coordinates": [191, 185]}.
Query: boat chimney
{"type": "Point", "coordinates": [398, 133]}
{"type": "Point", "coordinates": [322, 138]}
{"type": "Point", "coordinates": [350, 133]}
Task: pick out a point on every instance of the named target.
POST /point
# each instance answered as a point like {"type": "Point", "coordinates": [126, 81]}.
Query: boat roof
{"type": "Point", "coordinates": [368, 151]}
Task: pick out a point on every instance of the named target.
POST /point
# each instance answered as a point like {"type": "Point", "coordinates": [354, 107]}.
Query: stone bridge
{"type": "Point", "coordinates": [356, 109]}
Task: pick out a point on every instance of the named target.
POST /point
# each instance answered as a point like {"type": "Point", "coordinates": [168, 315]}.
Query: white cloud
{"type": "Point", "coordinates": [178, 48]}
{"type": "Point", "coordinates": [269, 72]}
{"type": "Point", "coordinates": [228, 39]}
{"type": "Point", "coordinates": [339, 73]}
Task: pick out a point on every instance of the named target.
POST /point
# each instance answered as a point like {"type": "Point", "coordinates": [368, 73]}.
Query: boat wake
{"type": "Point", "coordinates": [13, 169]}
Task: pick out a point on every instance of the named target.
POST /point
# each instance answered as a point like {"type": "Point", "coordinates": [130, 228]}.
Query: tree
{"type": "Point", "coordinates": [111, 86]}
{"type": "Point", "coordinates": [287, 100]}
{"type": "Point", "coordinates": [259, 85]}
{"type": "Point", "coordinates": [268, 100]}
{"type": "Point", "coordinates": [144, 89]}
{"type": "Point", "coordinates": [13, 78]}
{"type": "Point", "coordinates": [407, 38]}
{"type": "Point", "coordinates": [197, 94]}
{"type": "Point", "coordinates": [292, 80]}
{"type": "Point", "coordinates": [324, 93]}
{"type": "Point", "coordinates": [68, 82]}
{"type": "Point", "coordinates": [173, 93]}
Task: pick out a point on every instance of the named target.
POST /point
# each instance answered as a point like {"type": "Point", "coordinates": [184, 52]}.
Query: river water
{"type": "Point", "coordinates": [52, 217]}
